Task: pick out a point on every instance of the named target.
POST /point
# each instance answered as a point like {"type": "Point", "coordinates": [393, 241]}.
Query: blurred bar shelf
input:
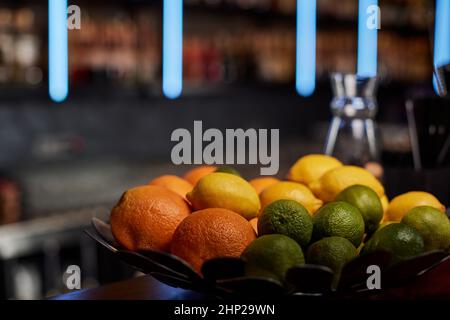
{"type": "Point", "coordinates": [223, 43]}
{"type": "Point", "coordinates": [27, 237]}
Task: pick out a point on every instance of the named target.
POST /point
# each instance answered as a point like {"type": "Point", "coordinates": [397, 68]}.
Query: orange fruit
{"type": "Point", "coordinates": [254, 223]}
{"type": "Point", "coordinates": [263, 182]}
{"type": "Point", "coordinates": [174, 183]}
{"type": "Point", "coordinates": [146, 217]}
{"type": "Point", "coordinates": [211, 233]}
{"type": "Point", "coordinates": [194, 175]}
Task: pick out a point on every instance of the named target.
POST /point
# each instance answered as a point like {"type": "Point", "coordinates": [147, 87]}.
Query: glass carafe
{"type": "Point", "coordinates": [352, 136]}
{"type": "Point", "coordinates": [442, 77]}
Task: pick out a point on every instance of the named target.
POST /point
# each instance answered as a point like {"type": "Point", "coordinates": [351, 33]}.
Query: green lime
{"type": "Point", "coordinates": [384, 224]}
{"type": "Point", "coordinates": [400, 240]}
{"type": "Point", "coordinates": [230, 170]}
{"type": "Point", "coordinates": [287, 217]}
{"type": "Point", "coordinates": [272, 256]}
{"type": "Point", "coordinates": [332, 252]}
{"type": "Point", "coordinates": [339, 219]}
{"type": "Point", "coordinates": [432, 225]}
{"type": "Point", "coordinates": [380, 226]}
{"type": "Point", "coordinates": [361, 245]}
{"type": "Point", "coordinates": [367, 202]}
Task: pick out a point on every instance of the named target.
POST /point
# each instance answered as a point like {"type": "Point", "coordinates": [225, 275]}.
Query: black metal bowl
{"type": "Point", "coordinates": [225, 277]}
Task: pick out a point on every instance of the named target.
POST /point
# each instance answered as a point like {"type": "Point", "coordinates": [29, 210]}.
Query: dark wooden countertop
{"type": "Point", "coordinates": [434, 284]}
{"type": "Point", "coordinates": [139, 288]}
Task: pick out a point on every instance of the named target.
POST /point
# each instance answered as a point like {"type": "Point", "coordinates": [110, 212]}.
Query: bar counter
{"type": "Point", "coordinates": [434, 284]}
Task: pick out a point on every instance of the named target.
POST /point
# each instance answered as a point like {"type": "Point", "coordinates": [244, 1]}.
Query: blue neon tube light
{"type": "Point", "coordinates": [172, 48]}
{"type": "Point", "coordinates": [367, 39]}
{"type": "Point", "coordinates": [305, 78]}
{"type": "Point", "coordinates": [58, 61]}
{"type": "Point", "coordinates": [441, 35]}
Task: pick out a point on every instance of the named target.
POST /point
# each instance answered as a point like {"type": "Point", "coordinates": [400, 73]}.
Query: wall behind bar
{"type": "Point", "coordinates": [134, 128]}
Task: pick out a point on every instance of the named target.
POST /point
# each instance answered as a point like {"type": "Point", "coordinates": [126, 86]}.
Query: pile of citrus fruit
{"type": "Point", "coordinates": [325, 213]}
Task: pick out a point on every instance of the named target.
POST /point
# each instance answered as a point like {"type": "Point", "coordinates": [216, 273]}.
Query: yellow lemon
{"type": "Point", "coordinates": [401, 204]}
{"type": "Point", "coordinates": [254, 223]}
{"type": "Point", "coordinates": [385, 204]}
{"type": "Point", "coordinates": [334, 181]}
{"type": "Point", "coordinates": [290, 191]}
{"type": "Point", "coordinates": [311, 167]}
{"type": "Point", "coordinates": [228, 191]}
